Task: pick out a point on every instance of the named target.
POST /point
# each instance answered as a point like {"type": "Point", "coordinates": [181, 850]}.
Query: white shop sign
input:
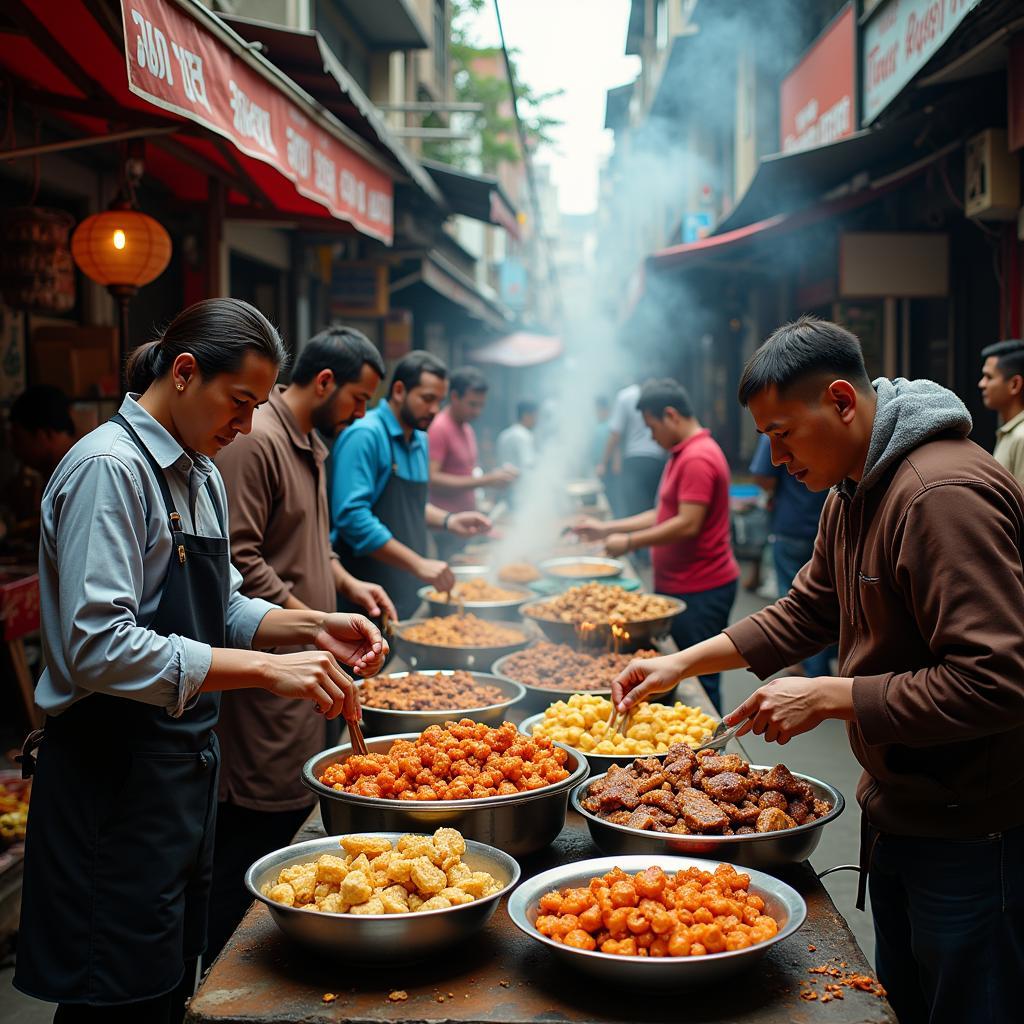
{"type": "Point", "coordinates": [899, 40]}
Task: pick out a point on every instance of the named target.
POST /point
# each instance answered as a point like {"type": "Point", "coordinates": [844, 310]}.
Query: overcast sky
{"type": "Point", "coordinates": [576, 46]}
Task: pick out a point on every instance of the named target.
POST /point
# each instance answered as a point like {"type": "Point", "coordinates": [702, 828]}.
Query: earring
{"type": "Point", "coordinates": [180, 386]}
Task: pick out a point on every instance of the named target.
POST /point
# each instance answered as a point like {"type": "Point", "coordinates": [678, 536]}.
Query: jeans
{"type": "Point", "coordinates": [791, 554]}
{"type": "Point", "coordinates": [949, 927]}
{"type": "Point", "coordinates": [706, 615]}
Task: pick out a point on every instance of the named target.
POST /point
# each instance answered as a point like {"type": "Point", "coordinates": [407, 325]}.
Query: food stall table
{"type": "Point", "coordinates": [501, 977]}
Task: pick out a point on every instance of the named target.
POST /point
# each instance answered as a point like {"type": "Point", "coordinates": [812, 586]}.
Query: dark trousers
{"type": "Point", "coordinates": [166, 1009]}
{"type": "Point", "coordinates": [706, 615]}
{"type": "Point", "coordinates": [949, 927]}
{"type": "Point", "coordinates": [638, 484]}
{"type": "Point", "coordinates": [790, 555]}
{"type": "Point", "coordinates": [243, 836]}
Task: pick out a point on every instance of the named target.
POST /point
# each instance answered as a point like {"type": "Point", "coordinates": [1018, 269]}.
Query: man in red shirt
{"type": "Point", "coordinates": [453, 451]}
{"type": "Point", "coordinates": [688, 530]}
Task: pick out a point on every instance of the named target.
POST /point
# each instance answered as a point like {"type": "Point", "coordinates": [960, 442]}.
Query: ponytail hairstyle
{"type": "Point", "coordinates": [217, 332]}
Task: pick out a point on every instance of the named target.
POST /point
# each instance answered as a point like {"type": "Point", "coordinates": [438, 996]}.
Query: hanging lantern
{"type": "Point", "coordinates": [123, 249]}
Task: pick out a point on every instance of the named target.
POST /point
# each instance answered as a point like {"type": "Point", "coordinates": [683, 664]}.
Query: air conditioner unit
{"type": "Point", "coordinates": [992, 177]}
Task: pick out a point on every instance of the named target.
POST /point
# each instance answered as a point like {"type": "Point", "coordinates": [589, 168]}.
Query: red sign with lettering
{"type": "Point", "coordinates": [178, 65]}
{"type": "Point", "coordinates": [816, 100]}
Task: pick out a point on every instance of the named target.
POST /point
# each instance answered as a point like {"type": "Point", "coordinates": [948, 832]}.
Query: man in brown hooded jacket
{"type": "Point", "coordinates": [917, 573]}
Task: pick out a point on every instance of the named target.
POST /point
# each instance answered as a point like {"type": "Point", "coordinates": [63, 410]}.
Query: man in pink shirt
{"type": "Point", "coordinates": [688, 530]}
{"type": "Point", "coordinates": [453, 450]}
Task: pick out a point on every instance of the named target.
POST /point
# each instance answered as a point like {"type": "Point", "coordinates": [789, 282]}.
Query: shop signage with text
{"type": "Point", "coordinates": [816, 100]}
{"type": "Point", "coordinates": [899, 40]}
{"type": "Point", "coordinates": [177, 65]}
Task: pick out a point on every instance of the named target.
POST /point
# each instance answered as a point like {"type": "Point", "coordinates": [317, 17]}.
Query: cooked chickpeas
{"type": "Point", "coordinates": [689, 913]}
{"type": "Point", "coordinates": [417, 874]}
{"type": "Point", "coordinates": [582, 722]}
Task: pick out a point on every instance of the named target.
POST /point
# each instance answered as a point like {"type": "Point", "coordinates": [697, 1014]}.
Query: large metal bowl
{"type": "Point", "coordinates": [380, 937]}
{"type": "Point", "coordinates": [519, 824]}
{"type": "Point", "coordinates": [538, 698]}
{"type": "Point", "coordinates": [781, 901]}
{"type": "Point", "coordinates": [640, 631]}
{"type": "Point", "coordinates": [764, 850]}
{"type": "Point", "coordinates": [493, 611]}
{"type": "Point", "coordinates": [380, 721]}
{"type": "Point", "coordinates": [602, 568]}
{"type": "Point", "coordinates": [438, 657]}
{"type": "Point", "coordinates": [599, 763]}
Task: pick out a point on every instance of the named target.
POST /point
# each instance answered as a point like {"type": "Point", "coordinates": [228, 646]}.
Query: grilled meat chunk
{"type": "Point", "coordinates": [727, 786]}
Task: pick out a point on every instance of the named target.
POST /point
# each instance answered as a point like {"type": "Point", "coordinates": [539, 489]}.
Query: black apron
{"type": "Point", "coordinates": [402, 508]}
{"type": "Point", "coordinates": [119, 851]}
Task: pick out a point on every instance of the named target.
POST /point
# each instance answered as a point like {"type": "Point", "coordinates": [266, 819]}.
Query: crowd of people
{"type": "Point", "coordinates": [200, 622]}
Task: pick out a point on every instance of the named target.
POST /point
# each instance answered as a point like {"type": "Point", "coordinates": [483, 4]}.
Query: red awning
{"type": "Point", "coordinates": [518, 350]}
{"type": "Point", "coordinates": [280, 151]}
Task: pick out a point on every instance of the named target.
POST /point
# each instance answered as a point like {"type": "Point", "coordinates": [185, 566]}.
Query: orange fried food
{"type": "Point", "coordinates": [477, 590]}
{"type": "Point", "coordinates": [457, 761]}
{"type": "Point", "coordinates": [689, 913]}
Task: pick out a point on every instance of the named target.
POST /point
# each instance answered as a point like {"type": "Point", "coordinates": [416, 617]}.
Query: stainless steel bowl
{"type": "Point", "coordinates": [380, 721]}
{"type": "Point", "coordinates": [599, 763]}
{"type": "Point", "coordinates": [764, 850]}
{"type": "Point", "coordinates": [519, 824]}
{"type": "Point", "coordinates": [493, 611]}
{"type": "Point", "coordinates": [380, 937]}
{"type": "Point", "coordinates": [540, 697]}
{"type": "Point", "coordinates": [438, 657]}
{"type": "Point", "coordinates": [781, 901]}
{"type": "Point", "coordinates": [603, 568]}
{"type": "Point", "coordinates": [640, 631]}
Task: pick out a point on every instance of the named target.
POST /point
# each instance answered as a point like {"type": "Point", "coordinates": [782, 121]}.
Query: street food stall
{"type": "Point", "coordinates": [510, 963]}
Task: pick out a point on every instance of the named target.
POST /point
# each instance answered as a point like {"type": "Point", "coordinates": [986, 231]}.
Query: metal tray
{"type": "Point", "coordinates": [538, 698]}
{"type": "Point", "coordinates": [782, 902]}
{"type": "Point", "coordinates": [604, 568]}
{"type": "Point", "coordinates": [764, 850]}
{"type": "Point", "coordinates": [641, 631]}
{"type": "Point", "coordinates": [519, 824]}
{"type": "Point", "coordinates": [381, 721]}
{"type": "Point", "coordinates": [493, 611]}
{"type": "Point", "coordinates": [380, 938]}
{"type": "Point", "coordinates": [437, 657]}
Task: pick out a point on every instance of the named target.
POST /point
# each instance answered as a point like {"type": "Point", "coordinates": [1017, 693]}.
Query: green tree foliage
{"type": "Point", "coordinates": [495, 125]}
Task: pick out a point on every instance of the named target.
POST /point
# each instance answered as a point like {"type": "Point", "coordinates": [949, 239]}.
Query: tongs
{"type": "Point", "coordinates": [460, 607]}
{"type": "Point", "coordinates": [618, 721]}
{"type": "Point", "coordinates": [354, 728]}
{"type": "Point", "coordinates": [722, 734]}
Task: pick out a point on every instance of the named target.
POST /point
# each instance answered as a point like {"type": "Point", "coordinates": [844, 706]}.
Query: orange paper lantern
{"type": "Point", "coordinates": [123, 248]}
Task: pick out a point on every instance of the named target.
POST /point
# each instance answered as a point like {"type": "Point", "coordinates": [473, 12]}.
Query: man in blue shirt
{"type": "Point", "coordinates": [795, 515]}
{"type": "Point", "coordinates": [379, 507]}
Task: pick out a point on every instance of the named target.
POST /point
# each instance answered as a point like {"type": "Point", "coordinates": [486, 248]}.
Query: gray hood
{"type": "Point", "coordinates": [908, 413]}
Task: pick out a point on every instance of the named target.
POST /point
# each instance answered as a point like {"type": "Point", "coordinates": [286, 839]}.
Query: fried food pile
{"type": "Point", "coordinates": [14, 797]}
{"type": "Point", "coordinates": [689, 913]}
{"type": "Point", "coordinates": [584, 569]}
{"type": "Point", "coordinates": [420, 691]}
{"type": "Point", "coordinates": [417, 874]}
{"type": "Point", "coordinates": [518, 572]}
{"type": "Point", "coordinates": [600, 604]}
{"type": "Point", "coordinates": [562, 667]}
{"type": "Point", "coordinates": [476, 589]}
{"type": "Point", "coordinates": [703, 794]}
{"type": "Point", "coordinates": [462, 631]}
{"type": "Point", "coordinates": [582, 722]}
{"type": "Point", "coordinates": [457, 761]}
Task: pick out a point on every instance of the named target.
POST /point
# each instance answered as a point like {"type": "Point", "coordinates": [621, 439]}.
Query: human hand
{"type": "Point", "coordinates": [353, 640]}
{"type": "Point", "coordinates": [436, 573]}
{"type": "Point", "coordinates": [468, 524]}
{"type": "Point", "coordinates": [501, 477]}
{"type": "Point", "coordinates": [371, 597]}
{"type": "Point", "coordinates": [643, 677]}
{"type": "Point", "coordinates": [315, 676]}
{"type": "Point", "coordinates": [589, 528]}
{"type": "Point", "coordinates": [616, 544]}
{"type": "Point", "coordinates": [788, 706]}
